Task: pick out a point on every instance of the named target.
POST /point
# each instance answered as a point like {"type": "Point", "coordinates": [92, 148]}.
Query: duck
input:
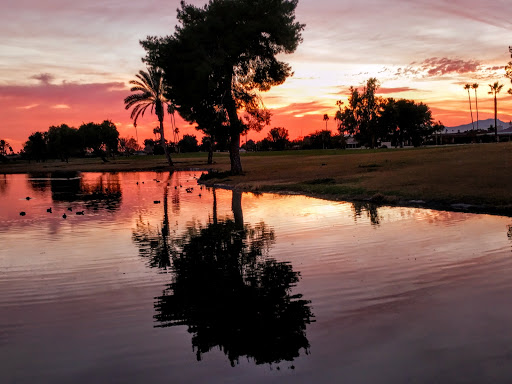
{"type": "Point", "coordinates": [49, 210]}
{"type": "Point", "coordinates": [70, 209]}
{"type": "Point", "coordinates": [156, 202]}
{"type": "Point", "coordinates": [27, 198]}
{"type": "Point", "coordinates": [80, 213]}
{"type": "Point", "coordinates": [64, 216]}
{"type": "Point", "coordinates": [22, 213]}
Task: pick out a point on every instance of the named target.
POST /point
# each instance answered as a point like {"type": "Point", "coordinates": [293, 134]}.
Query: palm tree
{"type": "Point", "coordinates": [468, 87]}
{"type": "Point", "coordinates": [495, 89]}
{"type": "Point", "coordinates": [151, 88]}
{"type": "Point", "coordinates": [326, 118]}
{"type": "Point", "coordinates": [475, 86]}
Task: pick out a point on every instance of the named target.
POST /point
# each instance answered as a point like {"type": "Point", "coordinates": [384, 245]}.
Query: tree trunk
{"type": "Point", "coordinates": [495, 118]}
{"type": "Point", "coordinates": [234, 153]}
{"type": "Point", "coordinates": [476, 105]}
{"type": "Point", "coordinates": [214, 207]}
{"type": "Point", "coordinates": [234, 135]}
{"type": "Point", "coordinates": [210, 151]}
{"type": "Point", "coordinates": [162, 143]}
{"type": "Point", "coordinates": [471, 111]}
{"type": "Point", "coordinates": [236, 207]}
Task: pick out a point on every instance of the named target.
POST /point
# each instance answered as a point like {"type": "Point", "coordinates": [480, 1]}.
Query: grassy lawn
{"type": "Point", "coordinates": [470, 174]}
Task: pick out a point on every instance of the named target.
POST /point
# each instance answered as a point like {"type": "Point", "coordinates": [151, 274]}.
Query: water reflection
{"type": "Point", "coordinates": [371, 211]}
{"type": "Point", "coordinates": [155, 243]}
{"type": "Point", "coordinates": [3, 184]}
{"type": "Point", "coordinates": [226, 288]}
{"type": "Point", "coordinates": [102, 193]}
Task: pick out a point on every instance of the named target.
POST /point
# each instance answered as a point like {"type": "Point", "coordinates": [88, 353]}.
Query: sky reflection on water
{"type": "Point", "coordinates": [158, 283]}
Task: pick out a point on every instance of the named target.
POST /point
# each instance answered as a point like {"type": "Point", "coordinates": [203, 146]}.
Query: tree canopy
{"type": "Point", "coordinates": [220, 56]}
{"type": "Point", "coordinates": [100, 138]}
{"type": "Point", "coordinates": [370, 118]}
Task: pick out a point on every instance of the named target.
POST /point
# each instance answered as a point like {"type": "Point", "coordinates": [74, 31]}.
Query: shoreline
{"type": "Point", "coordinates": [472, 178]}
{"type": "Point", "coordinates": [462, 207]}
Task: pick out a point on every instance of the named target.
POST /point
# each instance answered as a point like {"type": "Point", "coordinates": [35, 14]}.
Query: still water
{"type": "Point", "coordinates": [162, 281]}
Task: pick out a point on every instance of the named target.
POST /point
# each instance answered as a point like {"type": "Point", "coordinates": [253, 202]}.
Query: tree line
{"type": "Point", "coordinates": [371, 119]}
{"type": "Point", "coordinates": [64, 142]}
{"type": "Point", "coordinates": [93, 139]}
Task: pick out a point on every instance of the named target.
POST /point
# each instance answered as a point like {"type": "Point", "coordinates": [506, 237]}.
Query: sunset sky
{"type": "Point", "coordinates": [70, 62]}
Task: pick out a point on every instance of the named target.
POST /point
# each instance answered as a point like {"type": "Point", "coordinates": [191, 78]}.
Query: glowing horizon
{"type": "Point", "coordinates": [71, 64]}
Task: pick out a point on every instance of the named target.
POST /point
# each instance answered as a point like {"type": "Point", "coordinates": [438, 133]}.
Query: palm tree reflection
{"type": "Point", "coordinates": [227, 290]}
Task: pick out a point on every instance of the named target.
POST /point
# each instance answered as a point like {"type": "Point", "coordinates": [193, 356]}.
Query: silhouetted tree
{"type": "Point", "coordinates": [250, 145]}
{"type": "Point", "coordinates": [151, 92]}
{"type": "Point", "coordinates": [102, 138]}
{"type": "Point", "coordinates": [318, 140]}
{"type": "Point", "coordinates": [508, 70]}
{"type": "Point", "coordinates": [128, 145]}
{"type": "Point", "coordinates": [188, 144]}
{"type": "Point", "coordinates": [359, 118]}
{"type": "Point", "coordinates": [406, 120]}
{"type": "Point", "coordinates": [326, 119]}
{"type": "Point", "coordinates": [468, 87]}
{"type": "Point", "coordinates": [495, 89]}
{"type": "Point", "coordinates": [63, 141]}
{"type": "Point", "coordinates": [4, 147]}
{"type": "Point", "coordinates": [222, 54]}
{"type": "Point", "coordinates": [278, 138]}
{"type": "Point", "coordinates": [414, 121]}
{"type": "Point", "coordinates": [337, 118]}
{"type": "Point", "coordinates": [475, 87]}
{"type": "Point", "coordinates": [36, 146]}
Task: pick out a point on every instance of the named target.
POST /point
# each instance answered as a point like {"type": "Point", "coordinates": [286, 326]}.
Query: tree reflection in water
{"type": "Point", "coordinates": [104, 192]}
{"type": "Point", "coordinates": [371, 210]}
{"type": "Point", "coordinates": [227, 290]}
{"type": "Point", "coordinates": [3, 184]}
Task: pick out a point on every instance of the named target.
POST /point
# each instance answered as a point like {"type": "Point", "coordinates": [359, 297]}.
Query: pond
{"type": "Point", "coordinates": [149, 277]}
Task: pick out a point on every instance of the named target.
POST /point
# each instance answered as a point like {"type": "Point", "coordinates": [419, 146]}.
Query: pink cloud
{"type": "Point", "coordinates": [438, 67]}
{"type": "Point", "coordinates": [441, 66]}
{"type": "Point", "coordinates": [386, 91]}
{"type": "Point", "coordinates": [300, 108]}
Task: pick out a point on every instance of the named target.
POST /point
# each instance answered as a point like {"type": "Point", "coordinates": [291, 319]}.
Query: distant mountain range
{"type": "Point", "coordinates": [482, 124]}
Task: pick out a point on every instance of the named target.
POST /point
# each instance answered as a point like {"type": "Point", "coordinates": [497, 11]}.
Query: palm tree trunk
{"type": "Point", "coordinates": [495, 117]}
{"type": "Point", "coordinates": [476, 104]}
{"type": "Point", "coordinates": [162, 143]}
{"type": "Point", "coordinates": [471, 110]}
